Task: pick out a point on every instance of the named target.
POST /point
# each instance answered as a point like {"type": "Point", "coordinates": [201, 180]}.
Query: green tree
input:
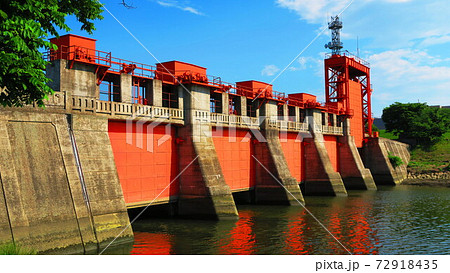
{"type": "Point", "coordinates": [24, 29]}
{"type": "Point", "coordinates": [416, 120]}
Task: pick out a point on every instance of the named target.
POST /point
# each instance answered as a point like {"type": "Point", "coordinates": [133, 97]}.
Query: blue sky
{"type": "Point", "coordinates": [406, 41]}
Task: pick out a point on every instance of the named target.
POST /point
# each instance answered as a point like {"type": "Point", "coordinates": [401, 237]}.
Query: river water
{"type": "Point", "coordinates": [392, 220]}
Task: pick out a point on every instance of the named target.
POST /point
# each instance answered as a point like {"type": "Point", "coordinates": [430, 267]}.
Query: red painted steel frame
{"type": "Point", "coordinates": [339, 71]}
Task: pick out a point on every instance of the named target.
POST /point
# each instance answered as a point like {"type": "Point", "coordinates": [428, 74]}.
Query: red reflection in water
{"type": "Point", "coordinates": [151, 244]}
{"type": "Point", "coordinates": [242, 237]}
{"type": "Point", "coordinates": [335, 228]}
{"type": "Point", "coordinates": [295, 237]}
{"type": "Point", "coordinates": [362, 237]}
{"type": "Point", "coordinates": [302, 234]}
{"type": "Point", "coordinates": [353, 230]}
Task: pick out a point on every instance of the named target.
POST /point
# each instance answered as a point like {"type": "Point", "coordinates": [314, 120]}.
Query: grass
{"type": "Point", "coordinates": [434, 158]}
{"type": "Point", "coordinates": [387, 135]}
{"type": "Point", "coordinates": [427, 159]}
{"type": "Point", "coordinates": [13, 249]}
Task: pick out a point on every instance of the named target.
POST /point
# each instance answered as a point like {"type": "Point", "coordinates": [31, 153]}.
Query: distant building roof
{"type": "Point", "coordinates": [440, 106]}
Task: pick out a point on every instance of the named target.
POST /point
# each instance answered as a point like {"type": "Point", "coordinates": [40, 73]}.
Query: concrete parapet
{"type": "Point", "coordinates": [351, 167]}
{"type": "Point", "coordinates": [376, 157]}
{"type": "Point", "coordinates": [272, 169]}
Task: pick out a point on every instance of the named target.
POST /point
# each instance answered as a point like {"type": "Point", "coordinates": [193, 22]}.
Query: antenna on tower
{"type": "Point", "coordinates": [335, 45]}
{"type": "Point", "coordinates": [357, 46]}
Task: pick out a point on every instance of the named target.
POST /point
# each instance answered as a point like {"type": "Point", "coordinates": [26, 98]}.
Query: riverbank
{"type": "Point", "coordinates": [429, 166]}
{"type": "Point", "coordinates": [427, 182]}
{"type": "Point", "coordinates": [434, 179]}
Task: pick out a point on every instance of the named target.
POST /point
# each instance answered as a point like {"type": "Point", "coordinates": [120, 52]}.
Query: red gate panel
{"type": "Point", "coordinates": [356, 122]}
{"type": "Point", "coordinates": [145, 166]}
{"type": "Point", "coordinates": [331, 145]}
{"type": "Point", "coordinates": [293, 152]}
{"type": "Point", "coordinates": [235, 157]}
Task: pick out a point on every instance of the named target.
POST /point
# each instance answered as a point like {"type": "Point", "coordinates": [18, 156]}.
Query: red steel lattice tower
{"type": "Point", "coordinates": [348, 88]}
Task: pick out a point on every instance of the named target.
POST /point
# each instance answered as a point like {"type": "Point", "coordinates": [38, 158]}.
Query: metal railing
{"type": "Point", "coordinates": [350, 55]}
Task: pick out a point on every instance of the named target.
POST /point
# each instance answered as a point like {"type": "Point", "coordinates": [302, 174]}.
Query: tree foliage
{"type": "Point", "coordinates": [416, 120]}
{"type": "Point", "coordinates": [24, 29]}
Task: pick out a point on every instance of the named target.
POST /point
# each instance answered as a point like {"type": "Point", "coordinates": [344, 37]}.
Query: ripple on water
{"type": "Point", "coordinates": [400, 220]}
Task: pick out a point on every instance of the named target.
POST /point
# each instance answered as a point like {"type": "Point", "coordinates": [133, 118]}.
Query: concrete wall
{"type": "Point", "coordinates": [42, 204]}
{"type": "Point", "coordinates": [375, 156]}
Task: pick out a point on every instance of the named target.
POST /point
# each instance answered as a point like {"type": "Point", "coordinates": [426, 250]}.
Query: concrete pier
{"type": "Point", "coordinates": [321, 178]}
{"type": "Point", "coordinates": [274, 182]}
{"type": "Point", "coordinates": [203, 190]}
{"type": "Point", "coordinates": [353, 172]}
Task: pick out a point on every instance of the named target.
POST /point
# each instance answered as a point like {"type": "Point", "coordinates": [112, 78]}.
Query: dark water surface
{"type": "Point", "coordinates": [392, 220]}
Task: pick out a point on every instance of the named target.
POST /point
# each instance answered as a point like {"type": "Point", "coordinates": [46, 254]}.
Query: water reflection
{"type": "Point", "coordinates": [401, 220]}
{"type": "Point", "coordinates": [241, 238]}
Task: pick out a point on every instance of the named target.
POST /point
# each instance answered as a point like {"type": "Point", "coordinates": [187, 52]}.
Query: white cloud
{"type": "Point", "coordinates": [408, 75]}
{"type": "Point", "coordinates": [410, 65]}
{"type": "Point", "coordinates": [269, 70]}
{"type": "Point", "coordinates": [313, 11]}
{"type": "Point", "coordinates": [310, 63]}
{"type": "Point", "coordinates": [179, 5]}
{"type": "Point", "coordinates": [435, 40]}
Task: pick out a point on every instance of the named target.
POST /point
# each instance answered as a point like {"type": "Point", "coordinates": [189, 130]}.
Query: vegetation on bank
{"type": "Point", "coordinates": [13, 249]}
{"type": "Point", "coordinates": [427, 158]}
{"type": "Point", "coordinates": [428, 127]}
{"type": "Point", "coordinates": [425, 125]}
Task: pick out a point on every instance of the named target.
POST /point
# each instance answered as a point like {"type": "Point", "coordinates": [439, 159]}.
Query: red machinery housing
{"type": "Point", "coordinates": [347, 88]}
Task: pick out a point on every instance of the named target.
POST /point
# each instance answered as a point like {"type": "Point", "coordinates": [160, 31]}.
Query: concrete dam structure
{"type": "Point", "coordinates": [118, 134]}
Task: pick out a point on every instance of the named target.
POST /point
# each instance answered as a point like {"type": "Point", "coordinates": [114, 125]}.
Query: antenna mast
{"type": "Point", "coordinates": [335, 45]}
